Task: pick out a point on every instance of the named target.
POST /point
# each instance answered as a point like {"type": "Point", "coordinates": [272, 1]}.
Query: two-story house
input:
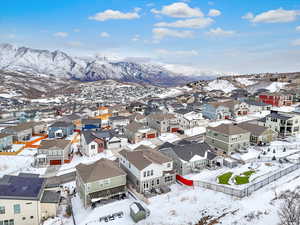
{"type": "Point", "coordinates": [53, 152]}
{"type": "Point", "coordinates": [188, 119]}
{"type": "Point", "coordinates": [228, 138]}
{"type": "Point", "coordinates": [61, 129]}
{"type": "Point", "coordinates": [276, 99]}
{"type": "Point", "coordinates": [118, 121]}
{"type": "Point", "coordinates": [137, 132]}
{"type": "Point", "coordinates": [24, 200]}
{"type": "Point", "coordinates": [147, 169]}
{"type": "Point", "coordinates": [90, 144]}
{"type": "Point", "coordinates": [163, 122]}
{"type": "Point", "coordinates": [99, 181]}
{"type": "Point", "coordinates": [285, 124]}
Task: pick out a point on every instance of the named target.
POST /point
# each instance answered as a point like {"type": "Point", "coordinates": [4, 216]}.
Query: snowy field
{"type": "Point", "coordinates": [222, 85]}
{"type": "Point", "coordinates": [245, 81]}
{"type": "Point", "coordinates": [186, 205]}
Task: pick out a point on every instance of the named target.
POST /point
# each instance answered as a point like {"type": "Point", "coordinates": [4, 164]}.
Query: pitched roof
{"type": "Point", "coordinates": [161, 116]}
{"type": "Point", "coordinates": [50, 197]}
{"type": "Point", "coordinates": [144, 158]}
{"type": "Point", "coordinates": [101, 169]}
{"type": "Point", "coordinates": [229, 129]}
{"type": "Point", "coordinates": [62, 124]}
{"type": "Point", "coordinates": [59, 143]}
{"type": "Point", "coordinates": [19, 187]}
{"type": "Point", "coordinates": [91, 121]}
{"type": "Point", "coordinates": [253, 128]}
{"type": "Point", "coordinates": [228, 103]}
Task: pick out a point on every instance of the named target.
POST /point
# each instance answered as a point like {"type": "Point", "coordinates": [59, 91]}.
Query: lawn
{"type": "Point", "coordinates": [224, 178]}
{"type": "Point", "coordinates": [244, 178]}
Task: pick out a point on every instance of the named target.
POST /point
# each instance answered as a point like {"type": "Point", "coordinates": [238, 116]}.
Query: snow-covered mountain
{"type": "Point", "coordinates": [60, 64]}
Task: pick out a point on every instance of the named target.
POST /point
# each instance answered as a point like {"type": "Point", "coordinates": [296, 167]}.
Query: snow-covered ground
{"type": "Point", "coordinates": [275, 86]}
{"type": "Point", "coordinates": [195, 131]}
{"type": "Point", "coordinates": [222, 85]}
{"type": "Point", "coordinates": [245, 81]}
{"type": "Point", "coordinates": [169, 137]}
{"type": "Point", "coordinates": [186, 205]}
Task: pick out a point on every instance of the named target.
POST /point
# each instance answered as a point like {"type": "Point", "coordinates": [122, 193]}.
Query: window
{"type": "Point", "coordinates": [17, 209]}
{"type": "Point", "coordinates": [2, 210]}
{"type": "Point", "coordinates": [168, 179]}
{"type": "Point", "coordinates": [145, 174]}
{"type": "Point", "coordinates": [169, 165]}
{"type": "Point", "coordinates": [6, 222]}
{"type": "Point", "coordinates": [23, 218]}
{"type": "Point", "coordinates": [31, 217]}
{"type": "Point", "coordinates": [93, 147]}
{"type": "Point", "coordinates": [151, 173]}
{"type": "Point", "coordinates": [148, 173]}
{"type": "Point", "coordinates": [157, 182]}
{"type": "Point", "coordinates": [11, 222]}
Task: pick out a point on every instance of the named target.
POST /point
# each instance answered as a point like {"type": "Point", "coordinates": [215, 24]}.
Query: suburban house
{"type": "Point", "coordinates": [6, 141]}
{"type": "Point", "coordinates": [20, 133]}
{"type": "Point", "coordinates": [24, 200]}
{"type": "Point", "coordinates": [163, 122]}
{"type": "Point", "coordinates": [61, 129]}
{"type": "Point", "coordinates": [74, 118]}
{"type": "Point", "coordinates": [285, 124]}
{"type": "Point", "coordinates": [137, 132]}
{"type": "Point", "coordinates": [91, 124]}
{"type": "Point", "coordinates": [147, 169]}
{"type": "Point", "coordinates": [228, 138]}
{"type": "Point", "coordinates": [100, 180]}
{"type": "Point", "coordinates": [226, 109]}
{"type": "Point", "coordinates": [118, 121]}
{"type": "Point", "coordinates": [136, 107]}
{"type": "Point", "coordinates": [191, 157]}
{"type": "Point", "coordinates": [256, 106]}
{"type": "Point", "coordinates": [276, 99]}
{"type": "Point", "coordinates": [53, 152]}
{"type": "Point", "coordinates": [259, 134]}
{"type": "Point", "coordinates": [91, 145]}
{"type": "Point", "coordinates": [188, 119]}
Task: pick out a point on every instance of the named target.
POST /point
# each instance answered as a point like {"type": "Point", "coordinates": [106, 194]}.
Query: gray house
{"type": "Point", "coordinates": [163, 122]}
{"type": "Point", "coordinates": [100, 180]}
{"type": "Point", "coordinates": [21, 132]}
{"type": "Point", "coordinates": [6, 141]}
{"type": "Point", "coordinates": [191, 157]}
{"type": "Point", "coordinates": [228, 138]}
{"type": "Point", "coordinates": [61, 129]}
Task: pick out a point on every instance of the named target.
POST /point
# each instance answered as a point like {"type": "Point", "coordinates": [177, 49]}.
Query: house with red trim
{"type": "Point", "coordinates": [136, 132]}
{"type": "Point", "coordinates": [277, 99]}
{"type": "Point", "coordinates": [163, 122]}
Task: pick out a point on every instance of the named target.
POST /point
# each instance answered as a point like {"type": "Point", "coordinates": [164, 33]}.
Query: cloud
{"type": "Point", "coordinates": [74, 43]}
{"type": "Point", "coordinates": [135, 38]}
{"type": "Point", "coordinates": [161, 33]}
{"type": "Point", "coordinates": [61, 34]}
{"type": "Point", "coordinates": [219, 32]}
{"type": "Point", "coordinates": [296, 42]}
{"type": "Point", "coordinates": [178, 10]}
{"type": "Point", "coordinates": [273, 16]}
{"type": "Point", "coordinates": [177, 53]}
{"type": "Point", "coordinates": [115, 15]}
{"type": "Point", "coordinates": [200, 22]}
{"type": "Point", "coordinates": [104, 35]}
{"type": "Point", "coordinates": [298, 28]}
{"type": "Point", "coordinates": [214, 12]}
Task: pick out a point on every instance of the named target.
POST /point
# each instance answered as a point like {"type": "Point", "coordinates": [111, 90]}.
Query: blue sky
{"type": "Point", "coordinates": [220, 35]}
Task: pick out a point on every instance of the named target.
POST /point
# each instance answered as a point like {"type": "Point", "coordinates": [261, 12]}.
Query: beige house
{"type": "Point", "coordinates": [228, 138]}
{"type": "Point", "coordinates": [137, 132]}
{"type": "Point", "coordinates": [99, 181]}
{"type": "Point", "coordinates": [24, 200]}
{"type": "Point", "coordinates": [163, 122]}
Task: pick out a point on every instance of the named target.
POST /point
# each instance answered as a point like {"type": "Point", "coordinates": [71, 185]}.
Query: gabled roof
{"type": "Point", "coordinates": [161, 116]}
{"type": "Point", "coordinates": [62, 124]}
{"type": "Point", "coordinates": [58, 143]}
{"type": "Point", "coordinates": [144, 158]}
{"type": "Point", "coordinates": [279, 116]}
{"type": "Point", "coordinates": [256, 103]}
{"type": "Point", "coordinates": [229, 129]}
{"type": "Point", "coordinates": [91, 121]}
{"type": "Point", "coordinates": [99, 170]}
{"type": "Point", "coordinates": [253, 128]}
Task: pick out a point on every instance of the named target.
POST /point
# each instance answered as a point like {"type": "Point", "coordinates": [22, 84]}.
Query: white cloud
{"type": "Point", "coordinates": [135, 38]}
{"type": "Point", "coordinates": [161, 33]}
{"type": "Point", "coordinates": [219, 32]}
{"type": "Point", "coordinates": [76, 30]}
{"type": "Point", "coordinates": [178, 10]}
{"type": "Point", "coordinates": [177, 53]}
{"type": "Point", "coordinates": [74, 43]}
{"type": "Point", "coordinates": [214, 12]}
{"type": "Point", "coordinates": [104, 35]}
{"type": "Point", "coordinates": [115, 15]}
{"type": "Point", "coordinates": [200, 22]}
{"type": "Point", "coordinates": [61, 34]}
{"type": "Point", "coordinates": [273, 16]}
{"type": "Point", "coordinates": [296, 42]}
{"type": "Point", "coordinates": [298, 28]}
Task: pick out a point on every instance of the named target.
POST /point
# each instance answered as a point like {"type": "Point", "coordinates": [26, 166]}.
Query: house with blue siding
{"type": "Point", "coordinates": [6, 141]}
{"type": "Point", "coordinates": [91, 124]}
{"type": "Point", "coordinates": [61, 129]}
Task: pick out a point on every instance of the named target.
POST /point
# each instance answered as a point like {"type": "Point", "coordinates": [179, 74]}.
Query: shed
{"type": "Point", "coordinates": [138, 212]}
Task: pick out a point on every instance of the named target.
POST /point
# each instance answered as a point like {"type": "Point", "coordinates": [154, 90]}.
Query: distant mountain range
{"type": "Point", "coordinates": [61, 65]}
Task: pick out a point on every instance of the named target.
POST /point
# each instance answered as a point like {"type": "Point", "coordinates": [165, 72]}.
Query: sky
{"type": "Point", "coordinates": [239, 36]}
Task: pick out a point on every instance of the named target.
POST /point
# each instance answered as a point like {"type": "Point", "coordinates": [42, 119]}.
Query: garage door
{"type": "Point", "coordinates": [55, 162]}
{"type": "Point", "coordinates": [173, 130]}
{"type": "Point", "coordinates": [151, 136]}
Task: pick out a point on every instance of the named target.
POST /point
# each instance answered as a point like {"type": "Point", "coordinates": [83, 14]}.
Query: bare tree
{"type": "Point", "coordinates": [289, 212]}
